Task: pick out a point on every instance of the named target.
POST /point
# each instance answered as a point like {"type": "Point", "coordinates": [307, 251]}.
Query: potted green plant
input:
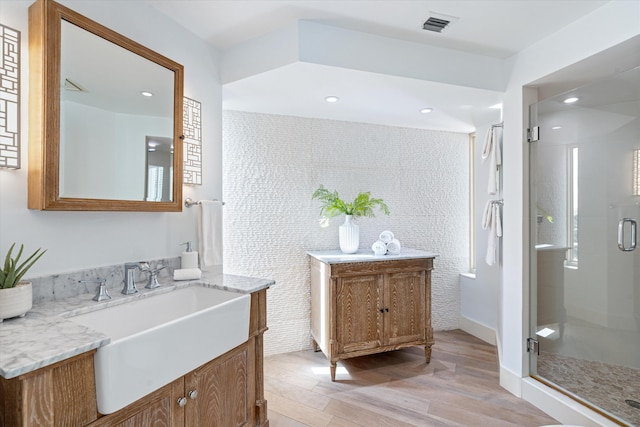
{"type": "Point", "coordinates": [332, 205]}
{"type": "Point", "coordinates": [16, 296]}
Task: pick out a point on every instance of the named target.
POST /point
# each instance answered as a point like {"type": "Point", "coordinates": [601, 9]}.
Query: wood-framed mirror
{"type": "Point", "coordinates": [105, 118]}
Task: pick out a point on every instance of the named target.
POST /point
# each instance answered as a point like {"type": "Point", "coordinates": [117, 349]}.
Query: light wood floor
{"type": "Point", "coordinates": [458, 388]}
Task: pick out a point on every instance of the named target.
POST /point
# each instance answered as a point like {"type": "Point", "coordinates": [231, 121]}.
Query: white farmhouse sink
{"type": "Point", "coordinates": [157, 339]}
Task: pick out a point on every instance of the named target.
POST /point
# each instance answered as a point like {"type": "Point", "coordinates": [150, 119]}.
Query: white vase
{"type": "Point", "coordinates": [349, 236]}
{"type": "Point", "coordinates": [16, 301]}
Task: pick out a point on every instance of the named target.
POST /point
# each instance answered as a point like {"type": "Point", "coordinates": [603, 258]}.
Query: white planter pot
{"type": "Point", "coordinates": [349, 236]}
{"type": "Point", "coordinates": [16, 301]}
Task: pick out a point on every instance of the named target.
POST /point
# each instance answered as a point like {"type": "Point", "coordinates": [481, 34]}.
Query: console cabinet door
{"type": "Point", "coordinates": [359, 312]}
{"type": "Point", "coordinates": [405, 299]}
{"type": "Point", "coordinates": [223, 392]}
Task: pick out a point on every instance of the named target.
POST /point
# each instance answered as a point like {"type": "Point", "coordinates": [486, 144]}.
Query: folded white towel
{"type": "Point", "coordinates": [379, 247]}
{"type": "Point", "coordinates": [386, 236]}
{"type": "Point", "coordinates": [491, 151]}
{"type": "Point", "coordinates": [393, 247]}
{"type": "Point", "coordinates": [210, 233]}
{"type": "Point", "coordinates": [491, 220]}
{"type": "Point", "coordinates": [187, 274]}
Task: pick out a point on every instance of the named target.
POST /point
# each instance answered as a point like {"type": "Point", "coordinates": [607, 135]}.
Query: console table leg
{"type": "Point", "coordinates": [427, 352]}
{"type": "Point", "coordinates": [333, 371]}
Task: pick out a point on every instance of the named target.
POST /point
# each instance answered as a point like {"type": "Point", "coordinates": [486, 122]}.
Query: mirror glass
{"type": "Point", "coordinates": [116, 121]}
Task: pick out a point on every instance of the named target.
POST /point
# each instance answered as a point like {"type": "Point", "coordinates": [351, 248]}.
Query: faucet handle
{"type": "Point", "coordinates": [153, 278]}
{"type": "Point", "coordinates": [101, 291]}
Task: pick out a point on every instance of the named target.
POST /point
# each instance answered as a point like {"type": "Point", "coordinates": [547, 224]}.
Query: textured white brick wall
{"type": "Point", "coordinates": [272, 165]}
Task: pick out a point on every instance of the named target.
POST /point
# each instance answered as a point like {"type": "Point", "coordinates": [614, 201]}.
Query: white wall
{"type": "Point", "coordinates": [479, 295]}
{"type": "Point", "coordinates": [80, 240]}
{"type": "Point", "coordinates": [272, 166]}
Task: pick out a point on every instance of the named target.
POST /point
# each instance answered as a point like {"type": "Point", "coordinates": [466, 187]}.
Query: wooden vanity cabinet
{"type": "Point", "coordinates": [227, 391]}
{"type": "Point", "coordinates": [360, 308]}
{"type": "Point", "coordinates": [62, 394]}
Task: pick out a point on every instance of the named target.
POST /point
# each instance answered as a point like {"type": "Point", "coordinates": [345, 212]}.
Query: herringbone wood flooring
{"type": "Point", "coordinates": [458, 388]}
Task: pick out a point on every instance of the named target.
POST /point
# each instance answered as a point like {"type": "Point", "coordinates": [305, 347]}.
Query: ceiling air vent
{"type": "Point", "coordinates": [72, 86]}
{"type": "Point", "coordinates": [438, 22]}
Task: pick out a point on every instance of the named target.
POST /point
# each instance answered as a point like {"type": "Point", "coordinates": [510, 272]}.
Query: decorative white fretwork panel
{"type": "Point", "coordinates": [9, 98]}
{"type": "Point", "coordinates": [192, 142]}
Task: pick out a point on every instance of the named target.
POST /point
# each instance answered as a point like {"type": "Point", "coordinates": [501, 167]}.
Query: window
{"type": "Point", "coordinates": [572, 208]}
{"type": "Point", "coordinates": [472, 203]}
{"type": "Point", "coordinates": [156, 176]}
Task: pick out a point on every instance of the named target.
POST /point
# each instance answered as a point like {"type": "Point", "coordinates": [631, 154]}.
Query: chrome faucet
{"type": "Point", "coordinates": [101, 291]}
{"type": "Point", "coordinates": [129, 276]}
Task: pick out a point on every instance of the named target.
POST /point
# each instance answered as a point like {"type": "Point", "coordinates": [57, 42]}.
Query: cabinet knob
{"type": "Point", "coordinates": [382, 310]}
{"type": "Point", "coordinates": [182, 402]}
{"type": "Point", "coordinates": [193, 394]}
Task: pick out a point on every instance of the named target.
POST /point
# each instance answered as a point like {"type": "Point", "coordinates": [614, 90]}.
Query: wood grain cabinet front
{"type": "Point", "coordinates": [360, 308]}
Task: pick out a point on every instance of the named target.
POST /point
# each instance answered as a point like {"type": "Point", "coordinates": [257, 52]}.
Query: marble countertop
{"type": "Point", "coordinates": [45, 336]}
{"type": "Point", "coordinates": [336, 256]}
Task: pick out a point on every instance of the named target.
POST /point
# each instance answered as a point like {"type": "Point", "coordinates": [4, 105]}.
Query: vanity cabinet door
{"type": "Point", "coordinates": [405, 299]}
{"type": "Point", "coordinates": [158, 409]}
{"type": "Point", "coordinates": [359, 312]}
{"type": "Point", "coordinates": [223, 392]}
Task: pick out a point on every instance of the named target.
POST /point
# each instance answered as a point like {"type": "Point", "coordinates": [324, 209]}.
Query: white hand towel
{"type": "Point", "coordinates": [187, 274]}
{"type": "Point", "coordinates": [210, 233]}
{"type": "Point", "coordinates": [393, 247]}
{"type": "Point", "coordinates": [491, 220]}
{"type": "Point", "coordinates": [491, 151]}
{"type": "Point", "coordinates": [379, 247]}
{"type": "Point", "coordinates": [386, 236]}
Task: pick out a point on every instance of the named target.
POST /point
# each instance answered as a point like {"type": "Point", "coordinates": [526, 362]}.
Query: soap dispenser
{"type": "Point", "coordinates": [189, 258]}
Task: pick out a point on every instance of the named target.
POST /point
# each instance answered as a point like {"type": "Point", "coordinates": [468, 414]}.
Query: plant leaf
{"type": "Point", "coordinates": [13, 272]}
{"type": "Point", "coordinates": [25, 266]}
{"type": "Point", "coordinates": [331, 204]}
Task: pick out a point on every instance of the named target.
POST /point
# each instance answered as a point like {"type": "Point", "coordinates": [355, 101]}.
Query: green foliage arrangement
{"type": "Point", "coordinates": [12, 272]}
{"type": "Point", "coordinates": [545, 213]}
{"type": "Point", "coordinates": [332, 205]}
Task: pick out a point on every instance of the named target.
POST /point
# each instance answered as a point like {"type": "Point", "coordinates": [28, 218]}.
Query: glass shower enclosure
{"type": "Point", "coordinates": [585, 266]}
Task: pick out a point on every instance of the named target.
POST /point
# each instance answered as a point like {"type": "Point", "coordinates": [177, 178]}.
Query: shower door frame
{"type": "Point", "coordinates": [532, 199]}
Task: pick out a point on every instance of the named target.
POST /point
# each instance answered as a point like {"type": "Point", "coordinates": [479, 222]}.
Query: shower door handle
{"type": "Point", "coordinates": [632, 244]}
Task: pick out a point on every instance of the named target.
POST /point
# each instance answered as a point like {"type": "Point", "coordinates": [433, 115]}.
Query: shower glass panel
{"type": "Point", "coordinates": [585, 267]}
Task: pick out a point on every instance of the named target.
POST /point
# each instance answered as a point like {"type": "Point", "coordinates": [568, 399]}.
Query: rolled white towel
{"type": "Point", "coordinates": [187, 274]}
{"type": "Point", "coordinates": [386, 236]}
{"type": "Point", "coordinates": [393, 247]}
{"type": "Point", "coordinates": [379, 247]}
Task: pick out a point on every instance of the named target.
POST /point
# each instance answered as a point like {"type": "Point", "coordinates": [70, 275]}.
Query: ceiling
{"type": "Point", "coordinates": [492, 28]}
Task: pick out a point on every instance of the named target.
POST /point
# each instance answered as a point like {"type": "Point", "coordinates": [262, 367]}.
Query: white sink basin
{"type": "Point", "coordinates": [157, 339]}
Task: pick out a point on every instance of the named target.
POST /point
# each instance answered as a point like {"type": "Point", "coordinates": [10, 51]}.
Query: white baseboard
{"type": "Point", "coordinates": [511, 382]}
{"type": "Point", "coordinates": [561, 407]}
{"type": "Point", "coordinates": [478, 330]}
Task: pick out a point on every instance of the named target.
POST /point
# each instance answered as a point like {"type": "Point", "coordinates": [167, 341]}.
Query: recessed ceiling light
{"type": "Point", "coordinates": [153, 144]}
{"type": "Point", "coordinates": [332, 98]}
{"type": "Point", "coordinates": [556, 127]}
{"type": "Point", "coordinates": [145, 93]}
{"type": "Point", "coordinates": [571, 100]}
{"type": "Point", "coordinates": [426, 110]}
{"type": "Point", "coordinates": [151, 150]}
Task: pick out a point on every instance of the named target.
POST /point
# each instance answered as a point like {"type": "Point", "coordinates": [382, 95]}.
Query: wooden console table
{"type": "Point", "coordinates": [364, 303]}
